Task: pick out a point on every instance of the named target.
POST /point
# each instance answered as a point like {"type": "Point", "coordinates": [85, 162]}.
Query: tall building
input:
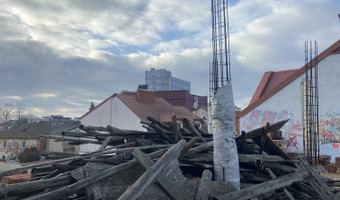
{"type": "Point", "coordinates": [161, 80]}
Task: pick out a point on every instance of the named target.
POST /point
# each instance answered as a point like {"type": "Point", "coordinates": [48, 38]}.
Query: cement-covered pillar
{"type": "Point", "coordinates": [222, 123]}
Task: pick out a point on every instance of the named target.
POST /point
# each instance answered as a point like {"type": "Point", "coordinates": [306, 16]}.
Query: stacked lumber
{"type": "Point", "coordinates": [167, 162]}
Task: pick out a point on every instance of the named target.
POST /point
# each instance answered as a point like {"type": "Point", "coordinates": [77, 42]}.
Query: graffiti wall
{"type": "Point", "coordinates": [291, 131]}
{"type": "Point", "coordinates": [329, 129]}
{"type": "Point", "coordinates": [329, 125]}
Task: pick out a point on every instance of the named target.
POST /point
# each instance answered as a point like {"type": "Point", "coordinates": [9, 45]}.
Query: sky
{"type": "Point", "coordinates": [58, 56]}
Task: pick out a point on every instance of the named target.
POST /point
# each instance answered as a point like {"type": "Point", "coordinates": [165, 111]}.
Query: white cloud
{"type": "Point", "coordinates": [65, 54]}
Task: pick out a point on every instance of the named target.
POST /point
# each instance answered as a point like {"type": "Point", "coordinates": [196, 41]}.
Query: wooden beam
{"type": "Point", "coordinates": [273, 176]}
{"type": "Point", "coordinates": [135, 190]}
{"type": "Point", "coordinates": [71, 189]}
{"type": "Point", "coordinates": [192, 129]}
{"type": "Point", "coordinates": [256, 190]}
{"type": "Point", "coordinates": [32, 186]}
{"type": "Point", "coordinates": [244, 158]}
{"type": "Point", "coordinates": [172, 190]}
{"type": "Point", "coordinates": [175, 128]}
{"type": "Point", "coordinates": [84, 156]}
{"type": "Point", "coordinates": [318, 183]}
{"type": "Point", "coordinates": [204, 186]}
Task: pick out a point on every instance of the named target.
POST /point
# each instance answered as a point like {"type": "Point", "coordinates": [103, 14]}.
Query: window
{"type": "Point", "coordinates": [13, 144]}
{"type": "Point", "coordinates": [4, 145]}
{"type": "Point", "coordinates": [23, 144]}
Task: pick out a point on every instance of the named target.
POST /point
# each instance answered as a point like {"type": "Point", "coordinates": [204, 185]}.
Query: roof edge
{"type": "Point", "coordinates": [290, 79]}
{"type": "Point", "coordinates": [88, 112]}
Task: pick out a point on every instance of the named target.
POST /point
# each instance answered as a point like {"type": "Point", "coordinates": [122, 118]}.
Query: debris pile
{"type": "Point", "coordinates": [167, 162]}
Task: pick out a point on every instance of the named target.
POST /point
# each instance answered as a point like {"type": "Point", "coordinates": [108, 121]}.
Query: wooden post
{"type": "Point", "coordinates": [70, 189]}
{"type": "Point", "coordinates": [96, 153]}
{"type": "Point", "coordinates": [317, 183]}
{"type": "Point", "coordinates": [273, 176]}
{"type": "Point", "coordinates": [204, 186]}
{"type": "Point", "coordinates": [192, 129]}
{"type": "Point", "coordinates": [134, 191]}
{"type": "Point", "coordinates": [256, 190]}
{"type": "Point", "coordinates": [188, 146]}
{"type": "Point", "coordinates": [174, 128]}
{"type": "Point", "coordinates": [173, 191]}
{"type": "Point", "coordinates": [264, 137]}
{"type": "Point", "coordinates": [25, 187]}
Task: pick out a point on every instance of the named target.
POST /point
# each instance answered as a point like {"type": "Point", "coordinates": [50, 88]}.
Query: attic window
{"type": "Point", "coordinates": [24, 129]}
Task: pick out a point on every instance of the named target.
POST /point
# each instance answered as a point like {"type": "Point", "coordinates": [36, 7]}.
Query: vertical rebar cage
{"type": "Point", "coordinates": [311, 142]}
{"type": "Point", "coordinates": [220, 66]}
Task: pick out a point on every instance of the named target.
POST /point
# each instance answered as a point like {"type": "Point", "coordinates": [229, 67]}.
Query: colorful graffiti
{"type": "Point", "coordinates": [329, 129]}
{"type": "Point", "coordinates": [292, 131]}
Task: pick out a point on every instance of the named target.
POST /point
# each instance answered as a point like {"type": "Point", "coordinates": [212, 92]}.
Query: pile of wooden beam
{"type": "Point", "coordinates": [167, 162]}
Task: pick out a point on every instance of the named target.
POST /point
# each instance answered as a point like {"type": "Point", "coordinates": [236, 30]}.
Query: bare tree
{"type": "Point", "coordinates": [6, 113]}
{"type": "Point", "coordinates": [19, 111]}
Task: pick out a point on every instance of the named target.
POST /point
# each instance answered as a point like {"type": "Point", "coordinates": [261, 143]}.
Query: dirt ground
{"type": "Point", "coordinates": [333, 176]}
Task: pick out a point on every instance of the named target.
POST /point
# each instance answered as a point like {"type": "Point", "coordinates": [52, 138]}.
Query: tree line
{"type": "Point", "coordinates": [14, 114]}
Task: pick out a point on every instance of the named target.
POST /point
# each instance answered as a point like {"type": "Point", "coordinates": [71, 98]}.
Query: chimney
{"type": "Point", "coordinates": [144, 96]}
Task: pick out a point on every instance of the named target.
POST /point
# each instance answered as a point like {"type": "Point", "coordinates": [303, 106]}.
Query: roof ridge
{"type": "Point", "coordinates": [290, 78]}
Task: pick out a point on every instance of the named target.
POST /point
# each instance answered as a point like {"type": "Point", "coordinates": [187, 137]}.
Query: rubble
{"type": "Point", "coordinates": [168, 163]}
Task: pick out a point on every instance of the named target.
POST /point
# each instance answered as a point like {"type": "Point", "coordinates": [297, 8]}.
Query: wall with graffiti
{"type": "Point", "coordinates": [291, 131]}
{"type": "Point", "coordinates": [329, 129]}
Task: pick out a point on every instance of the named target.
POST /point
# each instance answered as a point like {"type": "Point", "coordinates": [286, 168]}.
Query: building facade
{"type": "Point", "coordinates": [128, 109]}
{"type": "Point", "coordinates": [161, 80]}
{"type": "Point", "coordinates": [16, 140]}
{"type": "Point", "coordinates": [285, 100]}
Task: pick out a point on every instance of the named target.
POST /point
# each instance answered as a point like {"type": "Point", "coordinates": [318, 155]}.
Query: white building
{"type": "Point", "coordinates": [280, 96]}
{"type": "Point", "coordinates": [128, 109]}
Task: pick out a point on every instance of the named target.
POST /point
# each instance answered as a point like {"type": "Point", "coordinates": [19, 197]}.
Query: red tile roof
{"type": "Point", "coordinates": [269, 81]}
{"type": "Point", "coordinates": [261, 96]}
{"type": "Point", "coordinates": [145, 104]}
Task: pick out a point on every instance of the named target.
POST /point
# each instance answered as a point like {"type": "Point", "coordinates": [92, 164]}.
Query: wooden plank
{"type": "Point", "coordinates": [175, 128]}
{"type": "Point", "coordinates": [159, 124]}
{"type": "Point", "coordinates": [263, 138]}
{"type": "Point", "coordinates": [172, 190]}
{"type": "Point", "coordinates": [244, 158]}
{"type": "Point", "coordinates": [188, 146]}
{"type": "Point", "coordinates": [135, 190]}
{"type": "Point", "coordinates": [70, 189]}
{"type": "Point", "coordinates": [84, 156]}
{"type": "Point", "coordinates": [162, 133]}
{"type": "Point", "coordinates": [256, 190]}
{"type": "Point", "coordinates": [269, 147]}
{"type": "Point", "coordinates": [199, 148]}
{"type": "Point", "coordinates": [318, 182]}
{"type": "Point", "coordinates": [25, 187]}
{"type": "Point", "coordinates": [192, 129]}
{"type": "Point", "coordinates": [273, 127]}
{"type": "Point", "coordinates": [273, 176]}
{"type": "Point", "coordinates": [204, 186]}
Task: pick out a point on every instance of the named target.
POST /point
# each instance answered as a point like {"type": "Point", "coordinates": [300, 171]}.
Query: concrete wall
{"type": "Point", "coordinates": [287, 103]}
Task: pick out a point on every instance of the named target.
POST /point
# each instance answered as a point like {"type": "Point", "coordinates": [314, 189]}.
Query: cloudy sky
{"type": "Point", "coordinates": [58, 56]}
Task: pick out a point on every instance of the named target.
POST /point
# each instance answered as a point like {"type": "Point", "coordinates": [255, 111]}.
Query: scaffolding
{"type": "Point", "coordinates": [311, 105]}
{"type": "Point", "coordinates": [219, 70]}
